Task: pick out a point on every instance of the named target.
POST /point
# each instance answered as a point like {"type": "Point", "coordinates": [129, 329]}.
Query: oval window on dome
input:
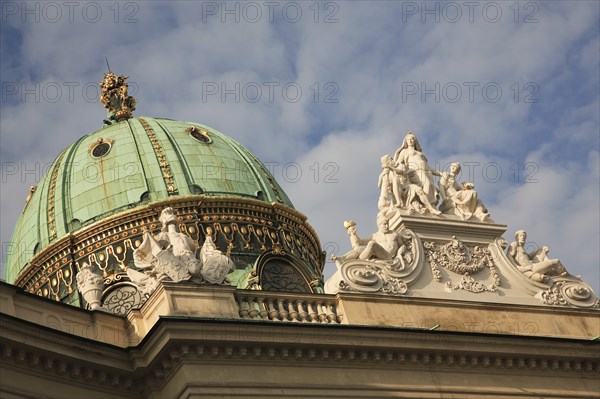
{"type": "Point", "coordinates": [198, 134]}
{"type": "Point", "coordinates": [100, 148]}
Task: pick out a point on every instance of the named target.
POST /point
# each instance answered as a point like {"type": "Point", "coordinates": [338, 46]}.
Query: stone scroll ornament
{"type": "Point", "coordinates": [172, 256]}
{"type": "Point", "coordinates": [548, 278]}
{"type": "Point", "coordinates": [459, 259]}
{"type": "Point", "coordinates": [386, 262]}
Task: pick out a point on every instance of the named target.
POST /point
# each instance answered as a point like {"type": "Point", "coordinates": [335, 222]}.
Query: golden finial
{"type": "Point", "coordinates": [115, 98]}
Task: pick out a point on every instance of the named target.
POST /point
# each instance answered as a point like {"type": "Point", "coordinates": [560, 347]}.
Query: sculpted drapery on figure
{"type": "Point", "coordinates": [405, 195]}
{"type": "Point", "coordinates": [172, 255]}
{"type": "Point", "coordinates": [460, 201]}
{"type": "Point", "coordinates": [535, 265]}
{"type": "Point", "coordinates": [410, 156]}
{"type": "Point", "coordinates": [409, 180]}
{"type": "Point", "coordinates": [384, 245]}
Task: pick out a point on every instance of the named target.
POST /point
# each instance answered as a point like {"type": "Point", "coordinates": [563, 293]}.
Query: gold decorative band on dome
{"type": "Point", "coordinates": [51, 217]}
{"type": "Point", "coordinates": [246, 228]}
{"type": "Point", "coordinates": [162, 160]}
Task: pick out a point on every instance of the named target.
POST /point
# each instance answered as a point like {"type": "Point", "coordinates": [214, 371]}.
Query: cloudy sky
{"type": "Point", "coordinates": [320, 90]}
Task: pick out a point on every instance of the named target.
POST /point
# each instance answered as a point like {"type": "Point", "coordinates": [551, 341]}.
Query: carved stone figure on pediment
{"type": "Point", "coordinates": [410, 156]}
{"type": "Point", "coordinates": [544, 278]}
{"type": "Point", "coordinates": [383, 245]}
{"type": "Point", "coordinates": [535, 265]}
{"type": "Point", "coordinates": [386, 262]}
{"type": "Point", "coordinates": [461, 201]}
{"type": "Point", "coordinates": [172, 255]}
{"type": "Point", "coordinates": [454, 256]}
{"type": "Point", "coordinates": [90, 284]}
{"type": "Point", "coordinates": [405, 195]}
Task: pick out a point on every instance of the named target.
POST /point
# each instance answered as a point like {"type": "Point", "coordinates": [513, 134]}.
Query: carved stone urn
{"type": "Point", "coordinates": [90, 285]}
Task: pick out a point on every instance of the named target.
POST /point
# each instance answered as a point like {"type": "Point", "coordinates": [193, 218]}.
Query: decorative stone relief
{"type": "Point", "coordinates": [90, 285]}
{"type": "Point", "coordinates": [387, 262]}
{"type": "Point", "coordinates": [123, 297]}
{"type": "Point", "coordinates": [548, 279]}
{"type": "Point", "coordinates": [171, 255]}
{"type": "Point", "coordinates": [456, 257]}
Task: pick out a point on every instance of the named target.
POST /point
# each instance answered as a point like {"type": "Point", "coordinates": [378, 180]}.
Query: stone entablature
{"type": "Point", "coordinates": [224, 302]}
{"type": "Point", "coordinates": [185, 330]}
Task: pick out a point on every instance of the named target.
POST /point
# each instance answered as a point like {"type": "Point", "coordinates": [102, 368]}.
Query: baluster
{"type": "Point", "coordinates": [243, 311]}
{"type": "Point", "coordinates": [322, 315]}
{"type": "Point", "coordinates": [252, 311]}
{"type": "Point", "coordinates": [331, 316]}
{"type": "Point", "coordinates": [262, 309]}
{"type": "Point", "coordinates": [312, 313]}
{"type": "Point", "coordinates": [282, 312]}
{"type": "Point", "coordinates": [273, 312]}
{"type": "Point", "coordinates": [303, 315]}
{"type": "Point", "coordinates": [293, 314]}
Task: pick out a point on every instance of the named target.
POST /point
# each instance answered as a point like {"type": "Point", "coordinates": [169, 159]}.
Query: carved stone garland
{"type": "Point", "coordinates": [456, 257]}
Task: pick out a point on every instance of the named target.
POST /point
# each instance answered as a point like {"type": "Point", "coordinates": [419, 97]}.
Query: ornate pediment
{"type": "Point", "coordinates": [437, 240]}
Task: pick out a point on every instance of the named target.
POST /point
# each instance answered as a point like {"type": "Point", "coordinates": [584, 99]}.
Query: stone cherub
{"type": "Point", "coordinates": [385, 245]}
{"type": "Point", "coordinates": [535, 265]}
{"type": "Point", "coordinates": [172, 255]}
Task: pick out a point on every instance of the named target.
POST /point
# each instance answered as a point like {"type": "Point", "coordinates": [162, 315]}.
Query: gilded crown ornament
{"type": "Point", "coordinates": [115, 98]}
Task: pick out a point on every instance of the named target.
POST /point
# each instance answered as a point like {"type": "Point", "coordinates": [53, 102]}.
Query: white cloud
{"type": "Point", "coordinates": [370, 56]}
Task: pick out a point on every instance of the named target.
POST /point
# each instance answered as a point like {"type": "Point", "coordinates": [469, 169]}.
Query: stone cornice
{"type": "Point", "coordinates": [177, 340]}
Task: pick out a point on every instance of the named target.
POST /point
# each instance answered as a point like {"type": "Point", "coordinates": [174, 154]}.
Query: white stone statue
{"type": "Point", "coordinates": [384, 245]}
{"type": "Point", "coordinates": [215, 265]}
{"type": "Point", "coordinates": [406, 195]}
{"type": "Point", "coordinates": [410, 156]}
{"type": "Point", "coordinates": [535, 265]}
{"type": "Point", "coordinates": [461, 201]}
{"type": "Point", "coordinates": [90, 284]}
{"type": "Point", "coordinates": [172, 255]}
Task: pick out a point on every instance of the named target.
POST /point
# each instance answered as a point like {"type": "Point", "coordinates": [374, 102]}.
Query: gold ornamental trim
{"type": "Point", "coordinates": [51, 195]}
{"type": "Point", "coordinates": [244, 225]}
{"type": "Point", "coordinates": [162, 160]}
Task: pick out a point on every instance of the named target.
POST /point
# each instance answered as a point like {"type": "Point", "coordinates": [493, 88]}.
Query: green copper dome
{"type": "Point", "coordinates": [131, 164]}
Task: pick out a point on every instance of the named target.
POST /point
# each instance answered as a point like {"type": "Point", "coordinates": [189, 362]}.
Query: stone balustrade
{"type": "Point", "coordinates": [303, 308]}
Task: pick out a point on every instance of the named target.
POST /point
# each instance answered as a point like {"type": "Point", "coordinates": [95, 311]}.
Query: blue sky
{"type": "Point", "coordinates": [325, 89]}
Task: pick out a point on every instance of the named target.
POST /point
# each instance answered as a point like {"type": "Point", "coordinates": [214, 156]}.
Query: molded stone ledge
{"type": "Point", "coordinates": [184, 299]}
{"type": "Point", "coordinates": [442, 227]}
{"type": "Point", "coordinates": [95, 325]}
{"type": "Point", "coordinates": [468, 316]}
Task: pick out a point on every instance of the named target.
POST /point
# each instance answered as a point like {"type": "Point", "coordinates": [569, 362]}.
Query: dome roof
{"type": "Point", "coordinates": [131, 164]}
